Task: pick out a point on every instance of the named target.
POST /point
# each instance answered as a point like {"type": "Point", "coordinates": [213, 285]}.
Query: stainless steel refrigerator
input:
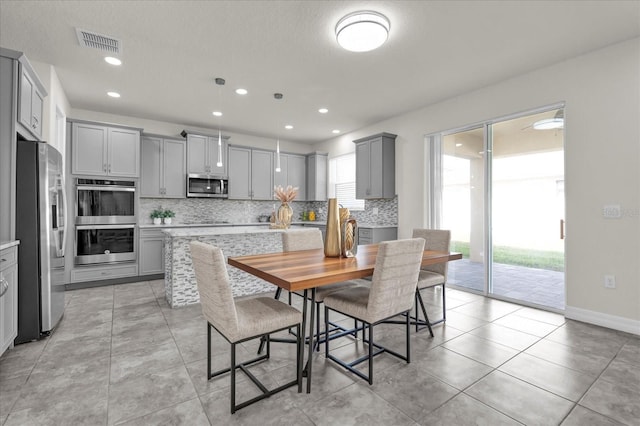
{"type": "Point", "coordinates": [40, 227]}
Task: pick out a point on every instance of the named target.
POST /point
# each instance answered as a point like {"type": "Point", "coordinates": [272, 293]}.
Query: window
{"type": "Point", "coordinates": [342, 181]}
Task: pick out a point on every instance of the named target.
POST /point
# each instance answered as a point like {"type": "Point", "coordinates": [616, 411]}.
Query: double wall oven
{"type": "Point", "coordinates": [105, 221]}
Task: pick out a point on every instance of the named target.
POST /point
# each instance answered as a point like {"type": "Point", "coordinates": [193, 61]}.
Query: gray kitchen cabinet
{"type": "Point", "coordinates": [250, 174]}
{"type": "Point", "coordinates": [376, 166]}
{"type": "Point", "coordinates": [31, 101]}
{"type": "Point", "coordinates": [373, 235]}
{"type": "Point", "coordinates": [105, 151]}
{"type": "Point", "coordinates": [203, 154]}
{"type": "Point", "coordinates": [151, 260]}
{"type": "Point", "coordinates": [162, 173]}
{"type": "Point", "coordinates": [317, 177]}
{"type": "Point", "coordinates": [292, 172]}
{"type": "Point", "coordinates": [8, 297]}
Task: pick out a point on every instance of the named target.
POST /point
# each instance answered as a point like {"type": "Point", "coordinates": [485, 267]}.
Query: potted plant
{"type": "Point", "coordinates": [168, 215]}
{"type": "Point", "coordinates": [157, 216]}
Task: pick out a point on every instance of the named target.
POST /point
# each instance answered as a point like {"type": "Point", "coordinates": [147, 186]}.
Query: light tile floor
{"type": "Point", "coordinates": [122, 356]}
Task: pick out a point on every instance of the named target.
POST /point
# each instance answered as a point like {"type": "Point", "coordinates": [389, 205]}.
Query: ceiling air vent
{"type": "Point", "coordinates": [99, 41]}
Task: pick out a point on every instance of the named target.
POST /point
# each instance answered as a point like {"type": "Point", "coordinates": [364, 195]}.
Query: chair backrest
{"type": "Point", "coordinates": [303, 239]}
{"type": "Point", "coordinates": [216, 298]}
{"type": "Point", "coordinates": [435, 239]}
{"type": "Point", "coordinates": [395, 278]}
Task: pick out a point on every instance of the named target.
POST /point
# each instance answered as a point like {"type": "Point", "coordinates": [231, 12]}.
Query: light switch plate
{"type": "Point", "coordinates": [611, 211]}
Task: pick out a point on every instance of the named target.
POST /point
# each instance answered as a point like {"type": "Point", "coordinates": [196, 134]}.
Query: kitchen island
{"type": "Point", "coordinates": [180, 282]}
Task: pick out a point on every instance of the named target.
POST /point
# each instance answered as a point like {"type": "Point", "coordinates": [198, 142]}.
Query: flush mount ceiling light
{"type": "Point", "coordinates": [362, 31]}
{"type": "Point", "coordinates": [112, 61]}
{"type": "Point", "coordinates": [557, 122]}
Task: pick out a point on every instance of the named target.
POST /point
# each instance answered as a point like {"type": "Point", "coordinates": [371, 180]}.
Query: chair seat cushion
{"type": "Point", "coordinates": [262, 315]}
{"type": "Point", "coordinates": [352, 301]}
{"type": "Point", "coordinates": [428, 279]}
{"type": "Point", "coordinates": [325, 290]}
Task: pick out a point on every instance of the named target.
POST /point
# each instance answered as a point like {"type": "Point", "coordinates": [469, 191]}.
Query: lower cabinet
{"type": "Point", "coordinates": [8, 297]}
{"type": "Point", "coordinates": [151, 259]}
{"type": "Point", "coordinates": [370, 235]}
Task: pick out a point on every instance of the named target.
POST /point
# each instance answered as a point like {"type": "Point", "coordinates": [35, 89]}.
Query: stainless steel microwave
{"type": "Point", "coordinates": [199, 185]}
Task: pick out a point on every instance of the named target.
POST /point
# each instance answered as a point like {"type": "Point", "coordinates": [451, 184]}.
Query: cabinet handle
{"type": "Point", "coordinates": [3, 260]}
{"type": "Point", "coordinates": [109, 171]}
{"type": "Point", "coordinates": [5, 287]}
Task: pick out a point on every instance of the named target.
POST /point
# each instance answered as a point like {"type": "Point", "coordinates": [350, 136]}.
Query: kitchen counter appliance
{"type": "Point", "coordinates": [208, 186]}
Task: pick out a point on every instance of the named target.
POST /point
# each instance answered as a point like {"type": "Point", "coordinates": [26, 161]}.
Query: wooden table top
{"type": "Point", "coordinates": [299, 270]}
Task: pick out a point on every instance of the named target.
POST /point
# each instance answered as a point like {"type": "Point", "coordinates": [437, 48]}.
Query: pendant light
{"type": "Point", "coordinates": [219, 82]}
{"type": "Point", "coordinates": [278, 96]}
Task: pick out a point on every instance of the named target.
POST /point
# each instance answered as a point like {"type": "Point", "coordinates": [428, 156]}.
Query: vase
{"type": "Point", "coordinates": [349, 238]}
{"type": "Point", "coordinates": [157, 220]}
{"type": "Point", "coordinates": [284, 216]}
{"type": "Point", "coordinates": [167, 221]}
{"type": "Point", "coordinates": [332, 238]}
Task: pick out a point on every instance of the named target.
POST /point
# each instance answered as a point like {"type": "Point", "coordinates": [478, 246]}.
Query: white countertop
{"type": "Point", "coordinates": [265, 224]}
{"type": "Point", "coordinates": [9, 244]}
{"type": "Point", "coordinates": [221, 230]}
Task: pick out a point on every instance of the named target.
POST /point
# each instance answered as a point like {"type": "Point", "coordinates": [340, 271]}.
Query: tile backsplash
{"type": "Point", "coordinates": [206, 210]}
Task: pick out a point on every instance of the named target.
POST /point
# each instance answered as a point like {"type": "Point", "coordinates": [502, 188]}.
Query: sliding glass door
{"type": "Point", "coordinates": [500, 190]}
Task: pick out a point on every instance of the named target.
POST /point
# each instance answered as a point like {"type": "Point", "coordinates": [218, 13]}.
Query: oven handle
{"type": "Point", "coordinates": [85, 227]}
{"type": "Point", "coordinates": [106, 188]}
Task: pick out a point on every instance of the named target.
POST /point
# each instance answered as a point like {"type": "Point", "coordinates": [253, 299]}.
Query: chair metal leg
{"type": "Point", "coordinates": [408, 339]}
{"type": "Point", "coordinates": [424, 312]}
{"type": "Point", "coordinates": [208, 350]}
{"type": "Point", "coordinates": [371, 354]}
{"type": "Point", "coordinates": [233, 378]}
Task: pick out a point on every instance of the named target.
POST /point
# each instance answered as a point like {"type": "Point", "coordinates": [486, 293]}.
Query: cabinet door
{"type": "Point", "coordinates": [216, 155]}
{"type": "Point", "coordinates": [362, 170]}
{"type": "Point", "coordinates": [316, 177]}
{"type": "Point", "coordinates": [9, 307]}
{"type": "Point", "coordinates": [174, 176]}
{"type": "Point", "coordinates": [151, 256]}
{"type": "Point", "coordinates": [26, 93]}
{"type": "Point", "coordinates": [297, 175]}
{"type": "Point", "coordinates": [123, 152]}
{"type": "Point", "coordinates": [151, 167]}
{"type": "Point", "coordinates": [261, 175]}
{"type": "Point", "coordinates": [239, 173]}
{"type": "Point", "coordinates": [375, 163]}
{"type": "Point", "coordinates": [88, 149]}
{"type": "Point", "coordinates": [197, 154]}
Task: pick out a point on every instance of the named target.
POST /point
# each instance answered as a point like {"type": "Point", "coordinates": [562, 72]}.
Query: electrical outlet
{"type": "Point", "coordinates": [610, 281]}
{"type": "Point", "coordinates": [611, 211]}
{"type": "Point", "coordinates": [375, 211]}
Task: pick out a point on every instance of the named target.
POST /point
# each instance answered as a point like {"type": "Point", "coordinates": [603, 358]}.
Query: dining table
{"type": "Point", "coordinates": [306, 270]}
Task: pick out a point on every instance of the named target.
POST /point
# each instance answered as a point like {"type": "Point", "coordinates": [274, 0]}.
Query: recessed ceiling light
{"type": "Point", "coordinates": [241, 91]}
{"type": "Point", "coordinates": [288, 127]}
{"type": "Point", "coordinates": [335, 131]}
{"type": "Point", "coordinates": [362, 31]}
{"type": "Point", "coordinates": [217, 113]}
{"type": "Point", "coordinates": [323, 110]}
{"type": "Point", "coordinates": [113, 61]}
{"type": "Point", "coordinates": [113, 94]}
{"type": "Point", "coordinates": [458, 144]}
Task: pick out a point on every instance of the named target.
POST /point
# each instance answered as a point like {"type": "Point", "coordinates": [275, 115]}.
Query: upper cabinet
{"type": "Point", "coordinates": [105, 151]}
{"type": "Point", "coordinates": [250, 174]}
{"type": "Point", "coordinates": [292, 172]}
{"type": "Point", "coordinates": [204, 156]}
{"type": "Point", "coordinates": [376, 166]}
{"type": "Point", "coordinates": [30, 101]}
{"type": "Point", "coordinates": [317, 177]}
{"type": "Point", "coordinates": [163, 174]}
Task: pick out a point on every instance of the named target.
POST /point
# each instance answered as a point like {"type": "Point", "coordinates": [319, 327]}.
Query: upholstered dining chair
{"type": "Point", "coordinates": [392, 292]}
{"type": "Point", "coordinates": [308, 239]}
{"type": "Point", "coordinates": [432, 275]}
{"type": "Point", "coordinates": [240, 320]}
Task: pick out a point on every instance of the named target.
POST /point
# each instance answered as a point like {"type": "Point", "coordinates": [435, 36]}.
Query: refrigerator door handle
{"type": "Point", "coordinates": [64, 227]}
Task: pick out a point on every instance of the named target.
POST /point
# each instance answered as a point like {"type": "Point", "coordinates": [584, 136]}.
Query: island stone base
{"type": "Point", "coordinates": [180, 281]}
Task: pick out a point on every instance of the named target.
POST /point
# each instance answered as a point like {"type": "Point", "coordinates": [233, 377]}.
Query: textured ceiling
{"type": "Point", "coordinates": [173, 50]}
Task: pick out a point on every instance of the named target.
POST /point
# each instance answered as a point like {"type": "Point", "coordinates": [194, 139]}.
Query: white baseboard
{"type": "Point", "coordinates": [605, 320]}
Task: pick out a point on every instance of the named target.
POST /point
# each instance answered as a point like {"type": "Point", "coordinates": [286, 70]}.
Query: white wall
{"type": "Point", "coordinates": [602, 147]}
{"type": "Point", "coordinates": [174, 129]}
